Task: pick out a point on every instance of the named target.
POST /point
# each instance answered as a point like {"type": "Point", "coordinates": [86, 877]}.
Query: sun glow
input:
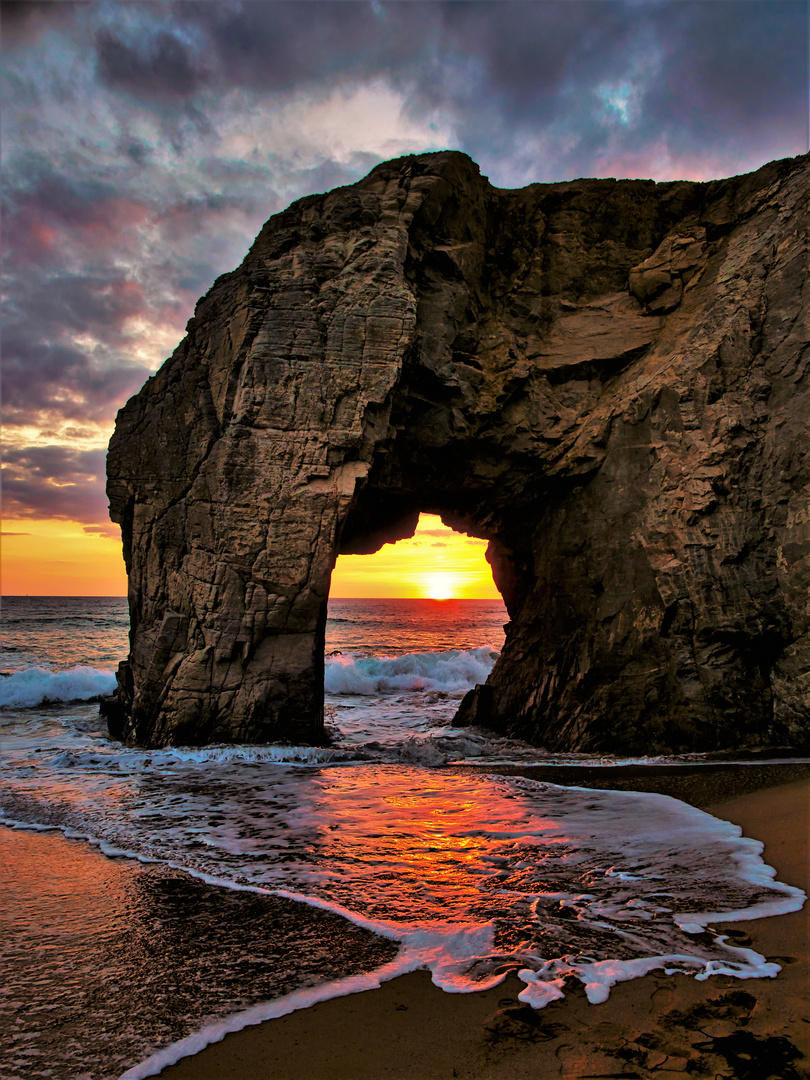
{"type": "Point", "coordinates": [52, 557]}
{"type": "Point", "coordinates": [439, 585]}
{"type": "Point", "coordinates": [436, 563]}
{"type": "Point", "coordinates": [65, 558]}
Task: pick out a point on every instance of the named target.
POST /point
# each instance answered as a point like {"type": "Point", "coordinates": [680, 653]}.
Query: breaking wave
{"type": "Point", "coordinates": [451, 671]}
{"type": "Point", "coordinates": [40, 686]}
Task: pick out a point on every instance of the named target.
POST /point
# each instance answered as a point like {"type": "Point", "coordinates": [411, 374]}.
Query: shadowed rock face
{"type": "Point", "coordinates": [607, 380]}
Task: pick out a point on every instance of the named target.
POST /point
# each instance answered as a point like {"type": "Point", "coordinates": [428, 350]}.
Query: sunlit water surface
{"type": "Point", "coordinates": [257, 873]}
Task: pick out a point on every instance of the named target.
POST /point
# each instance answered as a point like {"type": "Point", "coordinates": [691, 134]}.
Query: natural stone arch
{"type": "Point", "coordinates": [607, 380]}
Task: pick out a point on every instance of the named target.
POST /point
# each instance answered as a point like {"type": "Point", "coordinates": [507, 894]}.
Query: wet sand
{"type": "Point", "coordinates": [654, 1028]}
{"type": "Point", "coordinates": [103, 958]}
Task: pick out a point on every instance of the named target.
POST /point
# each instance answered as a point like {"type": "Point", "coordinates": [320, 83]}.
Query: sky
{"type": "Point", "coordinates": [144, 144]}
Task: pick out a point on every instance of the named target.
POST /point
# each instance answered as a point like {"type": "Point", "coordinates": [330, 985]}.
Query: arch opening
{"type": "Point", "coordinates": [436, 562]}
{"type": "Point", "coordinates": [412, 627]}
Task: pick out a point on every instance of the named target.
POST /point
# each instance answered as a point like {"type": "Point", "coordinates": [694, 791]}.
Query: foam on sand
{"type": "Point", "coordinates": [474, 875]}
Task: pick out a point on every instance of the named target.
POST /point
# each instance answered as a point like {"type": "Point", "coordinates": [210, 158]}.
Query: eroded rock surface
{"type": "Point", "coordinates": [606, 379]}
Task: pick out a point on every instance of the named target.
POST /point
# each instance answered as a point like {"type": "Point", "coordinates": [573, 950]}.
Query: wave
{"type": "Point", "coordinates": [450, 671]}
{"type": "Point", "coordinates": [105, 757]}
{"type": "Point", "coordinates": [40, 686]}
{"type": "Point", "coordinates": [595, 887]}
{"type": "Point", "coordinates": [27, 620]}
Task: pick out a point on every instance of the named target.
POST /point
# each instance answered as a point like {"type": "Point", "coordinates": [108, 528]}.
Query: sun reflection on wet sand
{"type": "Point", "coordinates": [104, 959]}
{"type": "Point", "coordinates": [473, 875]}
{"type": "Point", "coordinates": [438, 840]}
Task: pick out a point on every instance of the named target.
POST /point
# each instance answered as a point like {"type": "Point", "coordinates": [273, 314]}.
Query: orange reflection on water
{"type": "Point", "coordinates": [55, 890]}
{"type": "Point", "coordinates": [441, 842]}
{"type": "Point", "coordinates": [64, 793]}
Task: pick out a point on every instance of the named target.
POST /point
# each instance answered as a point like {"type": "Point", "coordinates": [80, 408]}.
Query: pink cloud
{"type": "Point", "coordinates": [658, 161]}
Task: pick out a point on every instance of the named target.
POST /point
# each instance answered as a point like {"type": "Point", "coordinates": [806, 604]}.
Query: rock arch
{"type": "Point", "coordinates": [605, 379]}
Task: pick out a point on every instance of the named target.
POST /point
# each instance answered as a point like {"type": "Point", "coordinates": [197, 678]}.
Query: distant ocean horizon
{"type": "Point", "coordinates": [122, 596]}
{"type": "Point", "coordinates": [156, 898]}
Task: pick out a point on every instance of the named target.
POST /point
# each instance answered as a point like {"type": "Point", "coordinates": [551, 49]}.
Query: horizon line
{"type": "Point", "coordinates": [117, 596]}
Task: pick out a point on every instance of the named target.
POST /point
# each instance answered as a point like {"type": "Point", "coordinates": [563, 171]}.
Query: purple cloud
{"type": "Point", "coordinates": [23, 22]}
{"type": "Point", "coordinates": [160, 68]}
{"type": "Point", "coordinates": [46, 378]}
{"type": "Point", "coordinates": [145, 144]}
{"type": "Point", "coordinates": [55, 481]}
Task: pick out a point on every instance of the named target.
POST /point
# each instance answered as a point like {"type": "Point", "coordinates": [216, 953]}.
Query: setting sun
{"type": "Point", "coordinates": [66, 558]}
{"type": "Point", "coordinates": [436, 563]}
{"type": "Point", "coordinates": [439, 585]}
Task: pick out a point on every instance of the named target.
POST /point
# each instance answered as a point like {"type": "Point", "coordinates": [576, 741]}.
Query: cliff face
{"type": "Point", "coordinates": [607, 380]}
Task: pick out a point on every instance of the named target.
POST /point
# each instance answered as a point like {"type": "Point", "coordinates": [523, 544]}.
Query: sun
{"type": "Point", "coordinates": [439, 585]}
{"type": "Point", "coordinates": [436, 563]}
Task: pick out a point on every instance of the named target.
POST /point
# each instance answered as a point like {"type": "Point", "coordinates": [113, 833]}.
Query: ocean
{"type": "Point", "coordinates": [153, 900]}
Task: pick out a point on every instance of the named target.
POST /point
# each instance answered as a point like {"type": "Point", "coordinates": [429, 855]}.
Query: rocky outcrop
{"type": "Point", "coordinates": [606, 379]}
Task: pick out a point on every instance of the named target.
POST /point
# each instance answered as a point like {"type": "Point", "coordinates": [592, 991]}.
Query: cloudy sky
{"type": "Point", "coordinates": [143, 145]}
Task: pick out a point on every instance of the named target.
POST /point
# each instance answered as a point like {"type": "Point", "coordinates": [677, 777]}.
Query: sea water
{"type": "Point", "coordinates": [242, 882]}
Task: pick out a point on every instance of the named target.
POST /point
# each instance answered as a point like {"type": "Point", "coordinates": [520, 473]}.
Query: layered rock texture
{"type": "Point", "coordinates": [608, 380]}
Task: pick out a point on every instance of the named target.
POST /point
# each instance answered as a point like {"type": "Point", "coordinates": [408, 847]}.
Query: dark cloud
{"type": "Point", "coordinates": [45, 372]}
{"type": "Point", "coordinates": [145, 143]}
{"type": "Point", "coordinates": [45, 211]}
{"type": "Point", "coordinates": [260, 46]}
{"type": "Point", "coordinates": [22, 22]}
{"type": "Point", "coordinates": [720, 78]}
{"type": "Point", "coordinates": [710, 75]}
{"type": "Point", "coordinates": [528, 51]}
{"type": "Point", "coordinates": [275, 46]}
{"type": "Point", "coordinates": [733, 74]}
{"type": "Point", "coordinates": [54, 481]}
{"type": "Point", "coordinates": [73, 201]}
{"type": "Point", "coordinates": [138, 151]}
{"type": "Point", "coordinates": [41, 381]}
{"type": "Point", "coordinates": [67, 237]}
{"type": "Point", "coordinates": [732, 64]}
{"type": "Point", "coordinates": [79, 304]}
{"type": "Point", "coordinates": [161, 68]}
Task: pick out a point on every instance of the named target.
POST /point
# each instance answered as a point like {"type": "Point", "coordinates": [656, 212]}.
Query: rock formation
{"type": "Point", "coordinates": [608, 380]}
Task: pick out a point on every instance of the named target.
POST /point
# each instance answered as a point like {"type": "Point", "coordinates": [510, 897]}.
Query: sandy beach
{"type": "Point", "coordinates": [661, 1027]}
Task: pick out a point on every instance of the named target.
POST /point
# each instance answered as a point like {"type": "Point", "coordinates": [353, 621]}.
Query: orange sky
{"type": "Point", "coordinates": [436, 562]}
{"type": "Point", "coordinates": [58, 558]}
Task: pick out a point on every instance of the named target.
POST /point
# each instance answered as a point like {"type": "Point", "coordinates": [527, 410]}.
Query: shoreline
{"type": "Point", "coordinates": [702, 785]}
{"type": "Point", "coordinates": [656, 1027]}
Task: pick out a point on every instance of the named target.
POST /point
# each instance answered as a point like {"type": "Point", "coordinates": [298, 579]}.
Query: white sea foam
{"type": "Point", "coordinates": [581, 868]}
{"type": "Point", "coordinates": [451, 671]}
{"type": "Point", "coordinates": [474, 875]}
{"type": "Point", "coordinates": [41, 686]}
{"type": "Point", "coordinates": [464, 956]}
